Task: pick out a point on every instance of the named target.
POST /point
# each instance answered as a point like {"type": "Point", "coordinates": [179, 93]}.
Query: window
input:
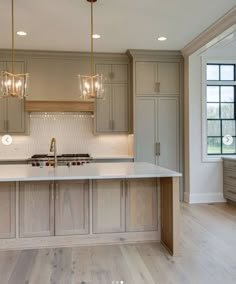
{"type": "Point", "coordinates": [221, 109]}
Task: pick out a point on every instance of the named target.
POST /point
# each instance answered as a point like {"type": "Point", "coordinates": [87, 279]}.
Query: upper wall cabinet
{"type": "Point", "coordinates": [113, 73]}
{"type": "Point", "coordinates": [157, 78]}
{"type": "Point", "coordinates": [112, 113]}
{"type": "Point", "coordinates": [12, 110]}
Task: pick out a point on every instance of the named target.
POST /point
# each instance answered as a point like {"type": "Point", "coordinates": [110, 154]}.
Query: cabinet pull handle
{"type": "Point", "coordinates": [57, 191]}
{"type": "Point", "coordinates": [110, 124]}
{"type": "Point", "coordinates": [158, 148]}
{"type": "Point", "coordinates": [8, 125]}
{"type": "Point", "coordinates": [122, 188]}
{"type": "Point", "coordinates": [231, 191]}
{"type": "Point", "coordinates": [52, 191]}
{"type": "Point", "coordinates": [157, 87]}
{"type": "Point", "coordinates": [113, 124]}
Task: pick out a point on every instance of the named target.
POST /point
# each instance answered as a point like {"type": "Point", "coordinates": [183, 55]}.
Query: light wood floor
{"type": "Point", "coordinates": [208, 255]}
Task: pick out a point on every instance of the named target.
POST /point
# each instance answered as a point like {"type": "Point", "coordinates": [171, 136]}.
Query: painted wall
{"type": "Point", "coordinates": [204, 180]}
{"type": "Point", "coordinates": [74, 134]}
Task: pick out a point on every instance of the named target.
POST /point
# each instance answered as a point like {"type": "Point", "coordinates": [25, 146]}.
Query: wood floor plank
{"type": "Point", "coordinates": [43, 267]}
{"type": "Point", "coordinates": [62, 266]}
{"type": "Point", "coordinates": [8, 261]}
{"type": "Point", "coordinates": [23, 267]}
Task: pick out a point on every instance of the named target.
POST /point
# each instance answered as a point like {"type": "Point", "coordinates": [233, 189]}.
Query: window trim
{"type": "Point", "coordinates": [205, 156]}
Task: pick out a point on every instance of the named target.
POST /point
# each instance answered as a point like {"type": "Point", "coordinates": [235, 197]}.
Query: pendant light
{"type": "Point", "coordinates": [12, 84]}
{"type": "Point", "coordinates": [91, 86]}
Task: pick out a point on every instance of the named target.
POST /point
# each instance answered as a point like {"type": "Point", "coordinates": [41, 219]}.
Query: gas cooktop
{"type": "Point", "coordinates": [38, 160]}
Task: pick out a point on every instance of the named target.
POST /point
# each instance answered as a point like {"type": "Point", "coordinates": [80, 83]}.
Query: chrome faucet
{"type": "Point", "coordinates": [53, 148]}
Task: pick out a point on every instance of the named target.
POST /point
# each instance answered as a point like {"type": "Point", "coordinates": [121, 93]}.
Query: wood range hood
{"type": "Point", "coordinates": [59, 106]}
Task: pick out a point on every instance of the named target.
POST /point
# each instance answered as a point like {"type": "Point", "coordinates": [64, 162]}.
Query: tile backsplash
{"type": "Point", "coordinates": [73, 132]}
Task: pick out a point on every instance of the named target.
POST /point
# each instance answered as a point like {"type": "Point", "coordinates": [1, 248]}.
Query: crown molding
{"type": "Point", "coordinates": [224, 23]}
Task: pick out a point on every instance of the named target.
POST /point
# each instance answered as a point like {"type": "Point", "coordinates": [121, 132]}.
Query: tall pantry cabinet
{"type": "Point", "coordinates": [157, 103]}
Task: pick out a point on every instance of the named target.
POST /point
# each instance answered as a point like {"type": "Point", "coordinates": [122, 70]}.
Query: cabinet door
{"type": "Point", "coordinates": [146, 78]}
{"type": "Point", "coordinates": [105, 71]}
{"type": "Point", "coordinates": [3, 113]}
{"type": "Point", "coordinates": [103, 119]}
{"type": "Point", "coordinates": [7, 210]}
{"type": "Point", "coordinates": [16, 115]}
{"type": "Point", "coordinates": [108, 206]}
{"type": "Point", "coordinates": [168, 76]}
{"type": "Point", "coordinates": [141, 205]}
{"type": "Point", "coordinates": [168, 132]}
{"type": "Point", "coordinates": [71, 207]}
{"type": "Point", "coordinates": [36, 209]}
{"type": "Point", "coordinates": [15, 121]}
{"type": "Point", "coordinates": [145, 130]}
{"type": "Point", "coordinates": [119, 73]}
{"type": "Point", "coordinates": [120, 108]}
{"type": "Point", "coordinates": [113, 73]}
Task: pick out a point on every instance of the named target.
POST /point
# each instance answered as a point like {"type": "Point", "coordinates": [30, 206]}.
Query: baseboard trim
{"type": "Point", "coordinates": [203, 197]}
{"type": "Point", "coordinates": [79, 240]}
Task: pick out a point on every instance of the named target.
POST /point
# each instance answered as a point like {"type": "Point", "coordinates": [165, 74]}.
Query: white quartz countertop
{"type": "Point", "coordinates": [88, 171]}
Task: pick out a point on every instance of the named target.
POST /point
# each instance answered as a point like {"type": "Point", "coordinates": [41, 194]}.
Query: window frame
{"type": "Point", "coordinates": [207, 157]}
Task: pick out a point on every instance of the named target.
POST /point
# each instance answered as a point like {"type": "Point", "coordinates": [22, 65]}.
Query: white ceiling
{"type": "Point", "coordinates": [123, 24]}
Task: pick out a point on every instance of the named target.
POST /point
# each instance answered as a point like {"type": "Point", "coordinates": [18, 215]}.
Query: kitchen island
{"type": "Point", "coordinates": [93, 204]}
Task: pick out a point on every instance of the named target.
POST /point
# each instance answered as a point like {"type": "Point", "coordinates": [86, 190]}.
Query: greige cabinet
{"type": "Point", "coordinates": [48, 208]}
{"type": "Point", "coordinates": [113, 73]}
{"type": "Point", "coordinates": [229, 178]}
{"type": "Point", "coordinates": [159, 143]}
{"type": "Point", "coordinates": [124, 205]}
{"type": "Point", "coordinates": [108, 206]}
{"type": "Point", "coordinates": [112, 113]}
{"type": "Point", "coordinates": [71, 207]}
{"type": "Point", "coordinates": [7, 210]}
{"type": "Point", "coordinates": [141, 205]}
{"type": "Point", "coordinates": [12, 117]}
{"type": "Point", "coordinates": [157, 78]}
{"type": "Point", "coordinates": [36, 209]}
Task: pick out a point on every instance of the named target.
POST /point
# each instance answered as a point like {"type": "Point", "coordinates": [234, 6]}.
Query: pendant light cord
{"type": "Point", "coordinates": [91, 59]}
{"type": "Point", "coordinates": [12, 34]}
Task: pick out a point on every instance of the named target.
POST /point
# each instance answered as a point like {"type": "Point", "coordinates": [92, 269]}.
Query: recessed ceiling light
{"type": "Point", "coordinates": [162, 38]}
{"type": "Point", "coordinates": [21, 33]}
{"type": "Point", "coordinates": [96, 36]}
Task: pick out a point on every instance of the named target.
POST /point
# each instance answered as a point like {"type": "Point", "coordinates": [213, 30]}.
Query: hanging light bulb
{"type": "Point", "coordinates": [13, 85]}
{"type": "Point", "coordinates": [91, 86]}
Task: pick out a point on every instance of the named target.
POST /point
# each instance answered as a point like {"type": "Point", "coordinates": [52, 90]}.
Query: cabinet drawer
{"type": "Point", "coordinates": [231, 165]}
{"type": "Point", "coordinates": [230, 192]}
{"type": "Point", "coordinates": [229, 178]}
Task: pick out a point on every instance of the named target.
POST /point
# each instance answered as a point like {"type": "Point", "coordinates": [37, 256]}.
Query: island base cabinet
{"type": "Point", "coordinates": [36, 209]}
{"type": "Point", "coordinates": [108, 206]}
{"type": "Point", "coordinates": [71, 208]}
{"type": "Point", "coordinates": [7, 210]}
{"type": "Point", "coordinates": [141, 205]}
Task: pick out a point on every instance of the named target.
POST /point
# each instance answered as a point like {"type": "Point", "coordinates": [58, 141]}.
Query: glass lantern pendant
{"type": "Point", "coordinates": [91, 86]}
{"type": "Point", "coordinates": [14, 85]}
{"type": "Point", "coordinates": [11, 84]}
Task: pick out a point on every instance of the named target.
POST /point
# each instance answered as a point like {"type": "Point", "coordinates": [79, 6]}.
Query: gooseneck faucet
{"type": "Point", "coordinates": [53, 148]}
